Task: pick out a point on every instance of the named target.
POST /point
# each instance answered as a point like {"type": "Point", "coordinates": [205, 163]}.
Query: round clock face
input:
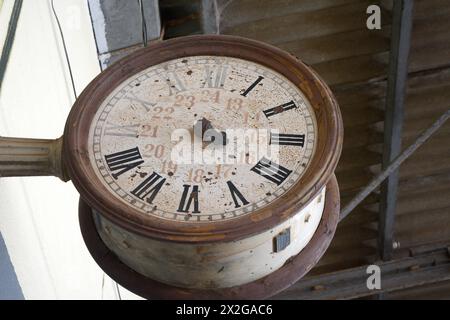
{"type": "Point", "coordinates": [202, 139]}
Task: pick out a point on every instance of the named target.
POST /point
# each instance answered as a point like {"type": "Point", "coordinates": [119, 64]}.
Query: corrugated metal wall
{"type": "Point", "coordinates": [423, 212]}
{"type": "Point", "coordinates": [423, 207]}
{"type": "Point", "coordinates": [332, 37]}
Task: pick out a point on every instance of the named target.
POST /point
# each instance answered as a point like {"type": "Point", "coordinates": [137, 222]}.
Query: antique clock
{"type": "Point", "coordinates": [204, 166]}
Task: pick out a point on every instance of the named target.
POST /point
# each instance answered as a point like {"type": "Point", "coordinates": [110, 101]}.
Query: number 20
{"type": "Point", "coordinates": [151, 150]}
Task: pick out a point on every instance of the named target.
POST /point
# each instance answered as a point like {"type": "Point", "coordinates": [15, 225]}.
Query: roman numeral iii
{"type": "Point", "coordinates": [123, 161]}
{"type": "Point", "coordinates": [236, 194]}
{"type": "Point", "coordinates": [149, 188]}
{"type": "Point", "coordinates": [187, 199]}
{"type": "Point", "coordinates": [280, 109]}
{"type": "Point", "coordinates": [287, 139]}
{"type": "Point", "coordinates": [271, 171]}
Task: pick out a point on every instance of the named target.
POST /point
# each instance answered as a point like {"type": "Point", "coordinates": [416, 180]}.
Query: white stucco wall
{"type": "Point", "coordinates": [38, 216]}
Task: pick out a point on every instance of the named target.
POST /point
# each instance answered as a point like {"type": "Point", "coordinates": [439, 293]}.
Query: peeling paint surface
{"type": "Point", "coordinates": [217, 265]}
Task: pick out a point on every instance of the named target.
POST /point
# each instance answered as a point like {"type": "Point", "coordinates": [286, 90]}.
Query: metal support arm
{"type": "Point", "coordinates": [31, 157]}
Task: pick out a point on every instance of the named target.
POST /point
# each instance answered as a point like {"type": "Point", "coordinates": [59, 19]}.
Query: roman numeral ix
{"type": "Point", "coordinates": [271, 171]}
{"type": "Point", "coordinates": [149, 188]}
{"type": "Point", "coordinates": [187, 199]}
{"type": "Point", "coordinates": [287, 139]}
{"type": "Point", "coordinates": [281, 108]}
{"type": "Point", "coordinates": [235, 193]}
{"type": "Point", "coordinates": [121, 162]}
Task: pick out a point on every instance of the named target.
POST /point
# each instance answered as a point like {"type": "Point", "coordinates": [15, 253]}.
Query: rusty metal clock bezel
{"type": "Point", "coordinates": [97, 196]}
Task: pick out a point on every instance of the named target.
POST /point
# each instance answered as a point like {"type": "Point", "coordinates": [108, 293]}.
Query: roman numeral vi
{"type": "Point", "coordinates": [187, 199]}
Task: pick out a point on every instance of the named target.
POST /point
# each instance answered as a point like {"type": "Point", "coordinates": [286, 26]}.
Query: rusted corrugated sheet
{"type": "Point", "coordinates": [423, 208]}
{"type": "Point", "coordinates": [333, 38]}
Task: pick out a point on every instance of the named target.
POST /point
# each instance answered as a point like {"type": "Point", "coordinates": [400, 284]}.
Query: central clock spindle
{"type": "Point", "coordinates": [204, 127]}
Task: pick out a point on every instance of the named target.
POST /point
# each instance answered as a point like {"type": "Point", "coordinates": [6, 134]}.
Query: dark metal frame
{"type": "Point", "coordinates": [397, 77]}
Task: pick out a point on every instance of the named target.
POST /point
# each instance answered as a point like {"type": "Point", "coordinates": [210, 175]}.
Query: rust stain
{"type": "Point", "coordinates": [261, 216]}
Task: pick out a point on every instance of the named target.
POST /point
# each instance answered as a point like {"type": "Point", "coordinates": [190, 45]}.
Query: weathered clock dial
{"type": "Point", "coordinates": [269, 136]}
{"type": "Point", "coordinates": [209, 153]}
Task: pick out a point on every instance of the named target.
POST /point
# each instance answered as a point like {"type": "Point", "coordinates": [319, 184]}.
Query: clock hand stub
{"type": "Point", "coordinates": [204, 130]}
